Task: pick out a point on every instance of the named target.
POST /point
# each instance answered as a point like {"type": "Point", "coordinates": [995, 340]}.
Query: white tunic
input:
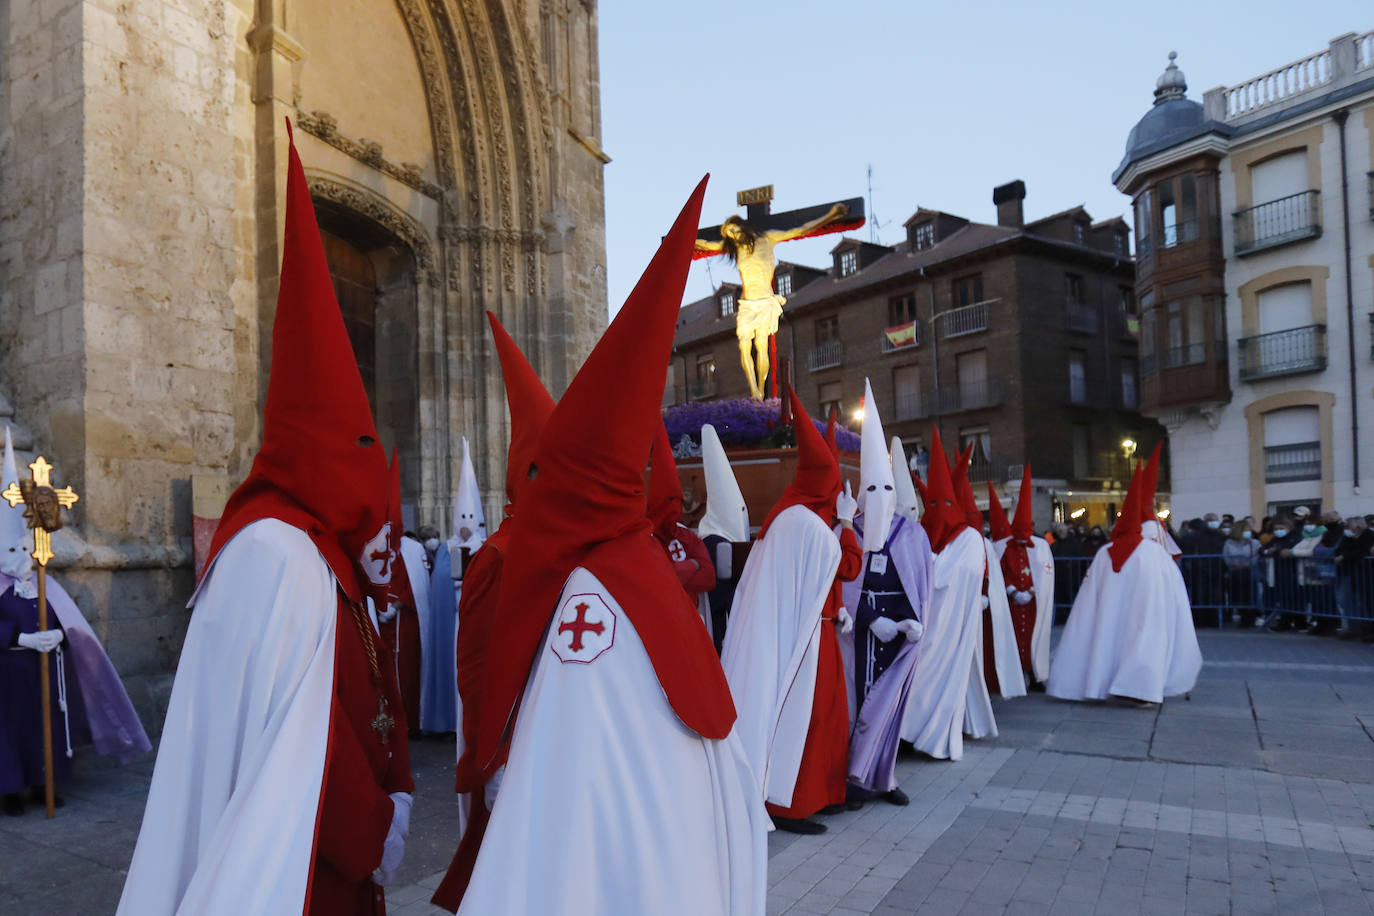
{"type": "Point", "coordinates": [1042, 577]}
{"type": "Point", "coordinates": [609, 803]}
{"type": "Point", "coordinates": [230, 823]}
{"type": "Point", "coordinates": [1130, 633]}
{"type": "Point", "coordinates": [949, 677]}
{"type": "Point", "coordinates": [1006, 659]}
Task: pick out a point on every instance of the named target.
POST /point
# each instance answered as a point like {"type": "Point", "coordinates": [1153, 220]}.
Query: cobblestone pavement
{"type": "Point", "coordinates": [1256, 795]}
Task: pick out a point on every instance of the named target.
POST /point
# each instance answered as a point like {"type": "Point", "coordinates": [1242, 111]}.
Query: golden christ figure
{"type": "Point", "coordinates": [750, 246]}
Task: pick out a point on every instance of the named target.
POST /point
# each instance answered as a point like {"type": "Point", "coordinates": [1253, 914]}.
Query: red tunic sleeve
{"type": "Point", "coordinates": [851, 556]}
{"type": "Point", "coordinates": [701, 577]}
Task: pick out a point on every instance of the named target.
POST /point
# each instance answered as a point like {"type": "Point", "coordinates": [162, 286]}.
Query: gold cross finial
{"type": "Point", "coordinates": [43, 517]}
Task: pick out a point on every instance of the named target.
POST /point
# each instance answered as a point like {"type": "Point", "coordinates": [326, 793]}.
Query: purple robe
{"type": "Point", "coordinates": [882, 672]}
{"type": "Point", "coordinates": [21, 720]}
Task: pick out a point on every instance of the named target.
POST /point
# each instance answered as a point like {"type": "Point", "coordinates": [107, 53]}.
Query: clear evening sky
{"type": "Point", "coordinates": [944, 101]}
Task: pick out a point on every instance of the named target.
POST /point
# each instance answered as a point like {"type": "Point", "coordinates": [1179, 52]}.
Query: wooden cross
{"type": "Point", "coordinates": [43, 507]}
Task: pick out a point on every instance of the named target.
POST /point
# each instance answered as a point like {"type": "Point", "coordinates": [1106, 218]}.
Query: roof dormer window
{"type": "Point", "coordinates": [727, 303]}
{"type": "Point", "coordinates": [1119, 244]}
{"type": "Point", "coordinates": [923, 236]}
{"type": "Point", "coordinates": [784, 284]}
{"type": "Point", "coordinates": [849, 263]}
{"type": "Point", "coordinates": [1079, 233]}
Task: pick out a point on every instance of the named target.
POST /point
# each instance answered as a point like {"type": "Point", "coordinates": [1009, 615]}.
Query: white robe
{"type": "Point", "coordinates": [1130, 633]}
{"type": "Point", "coordinates": [229, 826]}
{"type": "Point", "coordinates": [413, 555]}
{"type": "Point", "coordinates": [1042, 577]}
{"type": "Point", "coordinates": [949, 677]}
{"type": "Point", "coordinates": [772, 645]}
{"type": "Point", "coordinates": [609, 803]}
{"type": "Point", "coordinates": [1006, 659]}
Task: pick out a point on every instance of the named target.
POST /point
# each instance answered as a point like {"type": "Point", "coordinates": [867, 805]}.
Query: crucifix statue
{"type": "Point", "coordinates": [749, 241]}
{"type": "Point", "coordinates": [43, 507]}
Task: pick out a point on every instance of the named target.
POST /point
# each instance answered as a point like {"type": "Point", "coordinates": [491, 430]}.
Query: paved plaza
{"type": "Point", "coordinates": [1254, 796]}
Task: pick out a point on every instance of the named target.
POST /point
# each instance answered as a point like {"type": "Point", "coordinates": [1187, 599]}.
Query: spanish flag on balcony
{"type": "Point", "coordinates": [902, 335]}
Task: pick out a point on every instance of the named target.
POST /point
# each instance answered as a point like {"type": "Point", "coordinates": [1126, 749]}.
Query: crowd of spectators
{"type": "Point", "coordinates": [1294, 571]}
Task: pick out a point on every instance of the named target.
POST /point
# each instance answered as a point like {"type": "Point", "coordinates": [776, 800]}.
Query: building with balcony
{"type": "Point", "coordinates": [1018, 337]}
{"type": "Point", "coordinates": [1254, 218]}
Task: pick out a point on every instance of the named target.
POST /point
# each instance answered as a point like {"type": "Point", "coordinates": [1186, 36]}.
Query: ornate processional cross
{"type": "Point", "coordinates": [43, 507]}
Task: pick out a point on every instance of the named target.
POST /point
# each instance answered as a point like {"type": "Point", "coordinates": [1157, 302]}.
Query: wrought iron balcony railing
{"type": "Point", "coordinates": [827, 355]}
{"type": "Point", "coordinates": [1186, 355]}
{"type": "Point", "coordinates": [1278, 222]}
{"type": "Point", "coordinates": [1290, 352]}
{"type": "Point", "coordinates": [968, 319]}
{"type": "Point", "coordinates": [968, 396]}
{"type": "Point", "coordinates": [1299, 461]}
{"type": "Point", "coordinates": [700, 388]}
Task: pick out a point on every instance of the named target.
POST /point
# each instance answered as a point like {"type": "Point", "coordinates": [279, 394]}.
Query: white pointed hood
{"type": "Point", "coordinates": [908, 503]}
{"type": "Point", "coordinates": [726, 513]}
{"type": "Point", "coordinates": [877, 488]}
{"type": "Point", "coordinates": [16, 542]}
{"type": "Point", "coordinates": [469, 522]}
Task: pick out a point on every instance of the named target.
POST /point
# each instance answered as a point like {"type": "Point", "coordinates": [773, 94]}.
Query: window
{"type": "Point", "coordinates": [1130, 319]}
{"type": "Point", "coordinates": [1081, 452]}
{"type": "Point", "coordinates": [1168, 213]}
{"type": "Point", "coordinates": [727, 303]}
{"type": "Point", "coordinates": [968, 290]}
{"type": "Point", "coordinates": [923, 235]}
{"type": "Point", "coordinates": [901, 310]}
{"type": "Point", "coordinates": [1078, 378]}
{"type": "Point", "coordinates": [1073, 289]}
{"type": "Point", "coordinates": [1130, 394]}
{"type": "Point", "coordinates": [906, 388]}
{"type": "Point", "coordinates": [832, 400]}
{"type": "Point", "coordinates": [706, 368]}
{"type": "Point", "coordinates": [849, 263]}
{"type": "Point", "coordinates": [1292, 445]}
{"type": "Point", "coordinates": [827, 329]}
{"type": "Point", "coordinates": [1079, 233]}
{"type": "Point", "coordinates": [1127, 301]}
{"type": "Point", "coordinates": [1187, 213]}
{"type": "Point", "coordinates": [1147, 336]}
{"type": "Point", "coordinates": [1284, 307]}
{"type": "Point", "coordinates": [784, 284]}
{"type": "Point", "coordinates": [980, 462]}
{"type": "Point", "coordinates": [1279, 177]}
{"type": "Point", "coordinates": [1119, 244]}
{"type": "Point", "coordinates": [1143, 220]}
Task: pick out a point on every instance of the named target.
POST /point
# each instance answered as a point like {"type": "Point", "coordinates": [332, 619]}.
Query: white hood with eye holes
{"type": "Point", "coordinates": [469, 522]}
{"type": "Point", "coordinates": [877, 487]}
{"type": "Point", "coordinates": [16, 543]}
{"type": "Point", "coordinates": [908, 503]}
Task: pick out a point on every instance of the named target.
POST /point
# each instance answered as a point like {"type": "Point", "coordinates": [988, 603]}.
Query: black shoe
{"type": "Point", "coordinates": [798, 825]}
{"type": "Point", "coordinates": [1037, 687]}
{"type": "Point", "coordinates": [896, 797]}
{"type": "Point", "coordinates": [12, 804]}
{"type": "Point", "coordinates": [839, 808]}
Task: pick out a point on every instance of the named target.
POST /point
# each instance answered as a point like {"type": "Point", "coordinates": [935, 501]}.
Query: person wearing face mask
{"type": "Point", "coordinates": [1279, 574]}
{"type": "Point", "coordinates": [725, 524]}
{"type": "Point", "coordinates": [1353, 570]}
{"type": "Point", "coordinates": [282, 782]}
{"type": "Point", "coordinates": [1240, 553]}
{"type": "Point", "coordinates": [96, 709]}
{"type": "Point", "coordinates": [889, 603]}
{"type": "Point", "coordinates": [1320, 575]}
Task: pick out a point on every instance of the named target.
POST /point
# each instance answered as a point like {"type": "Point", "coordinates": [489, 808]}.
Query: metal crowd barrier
{"type": "Point", "coordinates": [1282, 590]}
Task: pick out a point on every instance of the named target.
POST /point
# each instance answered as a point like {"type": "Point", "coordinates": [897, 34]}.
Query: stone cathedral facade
{"type": "Point", "coordinates": [453, 151]}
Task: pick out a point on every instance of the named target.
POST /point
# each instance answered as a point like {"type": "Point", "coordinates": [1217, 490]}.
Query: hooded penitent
{"type": "Point", "coordinates": [877, 488]}
{"type": "Point", "coordinates": [964, 490]}
{"type": "Point", "coordinates": [16, 543]}
{"type": "Point", "coordinates": [398, 590]}
{"type": "Point", "coordinates": [320, 467]}
{"type": "Point", "coordinates": [584, 506]}
{"type": "Point", "coordinates": [908, 503]}
{"type": "Point", "coordinates": [944, 518]}
{"type": "Point", "coordinates": [1126, 532]}
{"type": "Point", "coordinates": [997, 516]}
{"type": "Point", "coordinates": [1149, 483]}
{"type": "Point", "coordinates": [726, 515]}
{"type": "Point", "coordinates": [469, 521]}
{"type": "Point", "coordinates": [1023, 525]}
{"type": "Point", "coordinates": [816, 482]}
{"type": "Point", "coordinates": [665, 488]}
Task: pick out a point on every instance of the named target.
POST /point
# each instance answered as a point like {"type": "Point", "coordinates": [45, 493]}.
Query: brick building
{"type": "Point", "coordinates": [1018, 337]}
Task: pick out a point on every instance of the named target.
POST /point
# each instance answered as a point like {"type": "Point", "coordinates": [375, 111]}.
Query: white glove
{"type": "Point", "coordinates": [846, 505]}
{"type": "Point", "coordinates": [845, 622]}
{"type": "Point", "coordinates": [389, 614]}
{"type": "Point", "coordinates": [984, 603]}
{"type": "Point", "coordinates": [1011, 589]}
{"type": "Point", "coordinates": [1022, 597]}
{"type": "Point", "coordinates": [912, 629]}
{"type": "Point", "coordinates": [42, 641]}
{"type": "Point", "coordinates": [394, 850]}
{"type": "Point", "coordinates": [884, 628]}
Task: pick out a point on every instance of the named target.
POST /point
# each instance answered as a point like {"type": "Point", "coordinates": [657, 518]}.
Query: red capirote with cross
{"type": "Point", "coordinates": [586, 629]}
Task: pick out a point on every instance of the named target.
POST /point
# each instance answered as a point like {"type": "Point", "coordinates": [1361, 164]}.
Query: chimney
{"type": "Point", "coordinates": [1008, 199]}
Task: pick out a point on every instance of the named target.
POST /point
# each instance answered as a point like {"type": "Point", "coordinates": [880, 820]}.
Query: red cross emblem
{"type": "Point", "coordinates": [586, 628]}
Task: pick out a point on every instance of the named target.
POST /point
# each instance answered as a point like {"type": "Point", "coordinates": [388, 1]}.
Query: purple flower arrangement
{"type": "Point", "coordinates": [742, 422]}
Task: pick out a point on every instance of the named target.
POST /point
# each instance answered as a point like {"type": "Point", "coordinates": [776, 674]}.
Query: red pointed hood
{"type": "Point", "coordinates": [1149, 486]}
{"type": "Point", "coordinates": [320, 466]}
{"type": "Point", "coordinates": [665, 488]}
{"type": "Point", "coordinates": [530, 406]}
{"type": "Point", "coordinates": [973, 517]}
{"type": "Point", "coordinates": [1023, 526]}
{"type": "Point", "coordinates": [586, 507]}
{"type": "Point", "coordinates": [816, 482]}
{"type": "Point", "coordinates": [943, 518]}
{"type": "Point", "coordinates": [1126, 532]}
{"type": "Point", "coordinates": [997, 516]}
{"type": "Point", "coordinates": [399, 591]}
{"type": "Point", "coordinates": [832, 440]}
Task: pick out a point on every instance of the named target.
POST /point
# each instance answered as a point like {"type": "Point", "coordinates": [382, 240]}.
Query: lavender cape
{"type": "Point", "coordinates": [876, 726]}
{"type": "Point", "coordinates": [111, 722]}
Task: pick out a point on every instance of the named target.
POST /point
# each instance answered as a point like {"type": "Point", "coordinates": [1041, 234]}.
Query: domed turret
{"type": "Point", "coordinates": [1173, 119]}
